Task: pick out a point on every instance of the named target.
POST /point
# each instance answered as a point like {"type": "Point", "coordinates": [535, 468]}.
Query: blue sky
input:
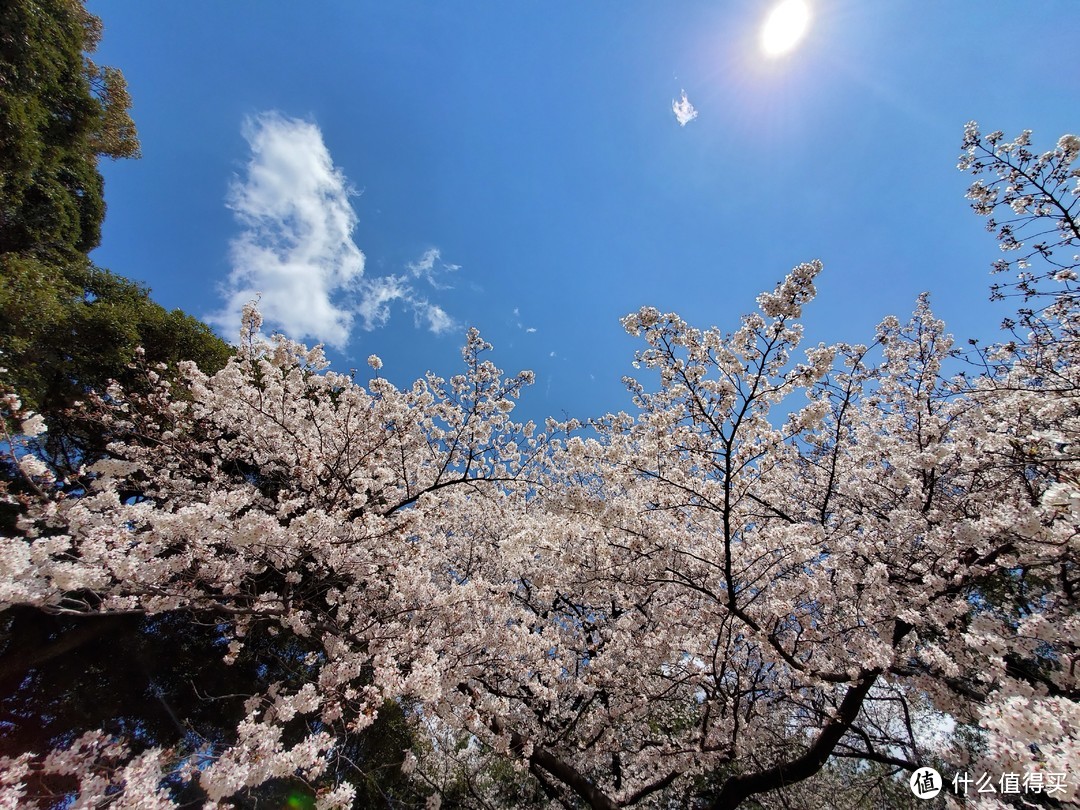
{"type": "Point", "coordinates": [388, 174]}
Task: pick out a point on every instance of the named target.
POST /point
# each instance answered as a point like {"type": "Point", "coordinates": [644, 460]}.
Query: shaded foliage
{"type": "Point", "coordinates": [162, 681]}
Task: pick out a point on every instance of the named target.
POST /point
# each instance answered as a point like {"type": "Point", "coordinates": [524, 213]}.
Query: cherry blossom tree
{"type": "Point", "coordinates": [764, 584]}
{"type": "Point", "coordinates": [253, 497]}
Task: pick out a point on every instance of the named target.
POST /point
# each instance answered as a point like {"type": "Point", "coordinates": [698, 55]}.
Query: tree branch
{"type": "Point", "coordinates": [738, 788]}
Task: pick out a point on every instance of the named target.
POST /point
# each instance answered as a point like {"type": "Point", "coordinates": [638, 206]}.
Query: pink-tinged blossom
{"type": "Point", "coordinates": [777, 556]}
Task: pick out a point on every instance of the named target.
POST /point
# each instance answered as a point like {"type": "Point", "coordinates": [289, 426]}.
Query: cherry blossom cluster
{"type": "Point", "coordinates": [784, 557]}
{"type": "Point", "coordinates": [1039, 197]}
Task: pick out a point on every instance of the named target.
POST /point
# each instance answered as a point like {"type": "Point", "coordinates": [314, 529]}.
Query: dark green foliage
{"type": "Point", "coordinates": [66, 326]}
{"type": "Point", "coordinates": [66, 331]}
{"type": "Point", "coordinates": [51, 203]}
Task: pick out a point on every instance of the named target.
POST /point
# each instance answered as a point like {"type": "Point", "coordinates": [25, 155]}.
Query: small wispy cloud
{"type": "Point", "coordinates": [295, 251]}
{"type": "Point", "coordinates": [684, 110]}
{"type": "Point", "coordinates": [517, 320]}
{"type": "Point", "coordinates": [434, 316]}
{"type": "Point", "coordinates": [378, 294]}
{"type": "Point", "coordinates": [376, 297]}
{"type": "Point", "coordinates": [425, 268]}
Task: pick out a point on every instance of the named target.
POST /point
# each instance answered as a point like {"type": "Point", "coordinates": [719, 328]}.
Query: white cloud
{"type": "Point", "coordinates": [425, 268]}
{"type": "Point", "coordinates": [296, 253]}
{"type": "Point", "coordinates": [425, 264]}
{"type": "Point", "coordinates": [531, 329]}
{"type": "Point", "coordinates": [377, 296]}
{"type": "Point", "coordinates": [684, 110]}
{"type": "Point", "coordinates": [437, 319]}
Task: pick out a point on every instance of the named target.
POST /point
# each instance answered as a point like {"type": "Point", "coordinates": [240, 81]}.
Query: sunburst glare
{"type": "Point", "coordinates": [785, 27]}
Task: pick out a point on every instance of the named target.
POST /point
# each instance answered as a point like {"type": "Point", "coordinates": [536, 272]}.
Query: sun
{"type": "Point", "coordinates": [785, 27]}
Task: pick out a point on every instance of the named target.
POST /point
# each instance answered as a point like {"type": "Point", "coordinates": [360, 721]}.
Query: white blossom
{"type": "Point", "coordinates": [772, 553]}
{"type": "Point", "coordinates": [34, 425]}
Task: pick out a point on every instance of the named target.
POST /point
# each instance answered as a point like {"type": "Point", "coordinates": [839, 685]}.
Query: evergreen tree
{"type": "Point", "coordinates": [66, 326]}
